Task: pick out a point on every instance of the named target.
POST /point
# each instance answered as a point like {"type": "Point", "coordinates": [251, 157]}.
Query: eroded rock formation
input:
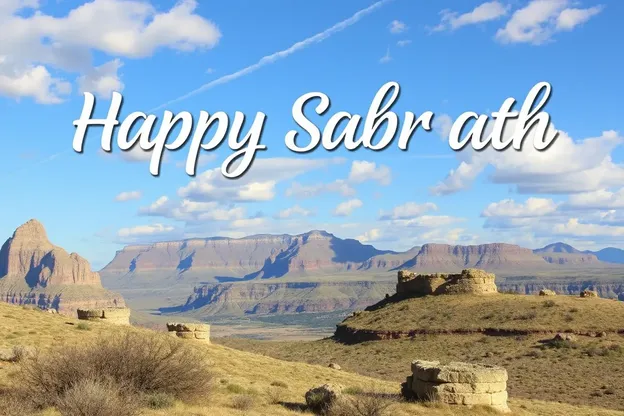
{"type": "Point", "coordinates": [459, 384]}
{"type": "Point", "coordinates": [35, 271]}
{"type": "Point", "coordinates": [469, 281]}
{"type": "Point", "coordinates": [117, 316]}
{"type": "Point", "coordinates": [192, 331]}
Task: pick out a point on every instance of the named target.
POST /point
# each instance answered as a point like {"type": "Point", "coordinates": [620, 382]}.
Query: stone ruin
{"type": "Point", "coordinates": [198, 332]}
{"type": "Point", "coordinates": [460, 384]}
{"type": "Point", "coordinates": [469, 281]}
{"type": "Point", "coordinates": [118, 316]}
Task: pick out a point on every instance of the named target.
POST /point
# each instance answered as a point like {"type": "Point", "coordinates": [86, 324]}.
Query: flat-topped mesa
{"type": "Point", "coordinates": [469, 281]}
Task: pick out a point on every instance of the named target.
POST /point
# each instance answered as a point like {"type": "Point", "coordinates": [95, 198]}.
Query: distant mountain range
{"type": "Point", "coordinates": [319, 272]}
{"type": "Point", "coordinates": [319, 252]}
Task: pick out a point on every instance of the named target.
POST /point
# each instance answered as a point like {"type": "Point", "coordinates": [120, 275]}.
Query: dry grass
{"type": "Point", "coordinates": [250, 371]}
{"type": "Point", "coordinates": [435, 314]}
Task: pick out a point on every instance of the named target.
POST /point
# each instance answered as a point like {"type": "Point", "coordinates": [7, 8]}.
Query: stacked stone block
{"type": "Point", "coordinates": [118, 316]}
{"type": "Point", "coordinates": [469, 281]}
{"type": "Point", "coordinates": [198, 332]}
{"type": "Point", "coordinates": [460, 384]}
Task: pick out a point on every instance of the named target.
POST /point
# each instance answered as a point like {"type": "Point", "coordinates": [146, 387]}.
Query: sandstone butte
{"type": "Point", "coordinates": [35, 271]}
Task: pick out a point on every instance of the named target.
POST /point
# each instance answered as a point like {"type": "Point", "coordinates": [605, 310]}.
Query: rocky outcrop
{"type": "Point", "coordinates": [117, 316]}
{"type": "Point", "coordinates": [192, 331]}
{"type": "Point", "coordinates": [34, 271]}
{"type": "Point", "coordinates": [322, 397]}
{"type": "Point", "coordinates": [589, 294]}
{"type": "Point", "coordinates": [469, 281]}
{"type": "Point", "coordinates": [547, 292]}
{"type": "Point", "coordinates": [458, 384]}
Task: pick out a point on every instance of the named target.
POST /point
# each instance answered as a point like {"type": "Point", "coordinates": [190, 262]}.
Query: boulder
{"type": "Point", "coordinates": [547, 292]}
{"type": "Point", "coordinates": [334, 366]}
{"type": "Point", "coordinates": [564, 337]}
{"type": "Point", "coordinates": [320, 398]}
{"type": "Point", "coordinates": [587, 293]}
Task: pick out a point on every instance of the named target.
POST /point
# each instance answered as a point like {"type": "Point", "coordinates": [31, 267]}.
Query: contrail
{"type": "Point", "coordinates": [269, 59]}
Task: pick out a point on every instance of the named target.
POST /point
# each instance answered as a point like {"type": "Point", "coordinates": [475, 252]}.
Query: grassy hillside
{"type": "Point", "coordinates": [504, 312]}
{"type": "Point", "coordinates": [270, 386]}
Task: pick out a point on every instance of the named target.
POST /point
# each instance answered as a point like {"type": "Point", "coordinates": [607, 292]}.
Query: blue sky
{"type": "Point", "coordinates": [447, 56]}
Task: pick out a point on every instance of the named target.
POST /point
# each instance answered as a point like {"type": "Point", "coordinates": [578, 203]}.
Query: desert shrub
{"type": "Point", "coordinates": [316, 402]}
{"type": "Point", "coordinates": [549, 303]}
{"type": "Point", "coordinates": [561, 343]}
{"type": "Point", "coordinates": [159, 400]}
{"type": "Point", "coordinates": [353, 390]}
{"type": "Point", "coordinates": [279, 384]}
{"type": "Point", "coordinates": [528, 316]}
{"type": "Point", "coordinates": [12, 404]}
{"type": "Point", "coordinates": [235, 388]}
{"type": "Point", "coordinates": [243, 402]}
{"type": "Point", "coordinates": [96, 398]}
{"type": "Point", "coordinates": [274, 395]}
{"type": "Point", "coordinates": [369, 404]}
{"type": "Point", "coordinates": [83, 327]}
{"type": "Point", "coordinates": [140, 363]}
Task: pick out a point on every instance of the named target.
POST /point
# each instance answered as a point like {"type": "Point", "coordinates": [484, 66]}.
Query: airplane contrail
{"type": "Point", "coordinates": [269, 59]}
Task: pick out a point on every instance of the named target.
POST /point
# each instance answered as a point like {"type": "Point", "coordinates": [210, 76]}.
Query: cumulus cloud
{"type": "Point", "coordinates": [407, 211]}
{"type": "Point", "coordinates": [397, 26]}
{"type": "Point", "coordinates": [339, 186]}
{"type": "Point", "coordinates": [369, 236]}
{"type": "Point", "coordinates": [539, 20]}
{"type": "Point", "coordinates": [192, 211]}
{"type": "Point", "coordinates": [293, 211]}
{"type": "Point", "coordinates": [35, 44]}
{"type": "Point", "coordinates": [568, 166]}
{"type": "Point", "coordinates": [258, 185]}
{"type": "Point", "coordinates": [485, 12]}
{"type": "Point", "coordinates": [533, 207]}
{"type": "Point", "coordinates": [362, 171]}
{"type": "Point", "coordinates": [346, 208]}
{"type": "Point", "coordinates": [603, 199]}
{"type": "Point", "coordinates": [102, 80]}
{"type": "Point", "coordinates": [128, 196]}
{"type": "Point", "coordinates": [146, 233]}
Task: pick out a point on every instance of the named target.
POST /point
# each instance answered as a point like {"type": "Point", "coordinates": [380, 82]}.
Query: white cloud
{"type": "Point", "coordinates": [370, 236]}
{"type": "Point", "coordinates": [300, 191]}
{"type": "Point", "coordinates": [407, 211]}
{"type": "Point", "coordinates": [537, 22]}
{"type": "Point", "coordinates": [599, 199]}
{"type": "Point", "coordinates": [396, 27]}
{"type": "Point", "coordinates": [403, 43]}
{"type": "Point", "coordinates": [570, 18]}
{"type": "Point", "coordinates": [386, 58]}
{"type": "Point", "coordinates": [533, 207]}
{"type": "Point", "coordinates": [35, 43]}
{"type": "Point", "coordinates": [136, 154]}
{"type": "Point", "coordinates": [574, 228]}
{"type": "Point", "coordinates": [102, 80]}
{"type": "Point", "coordinates": [485, 12]}
{"type": "Point", "coordinates": [145, 231]}
{"type": "Point", "coordinates": [568, 166]}
{"type": "Point", "coordinates": [192, 211]}
{"type": "Point", "coordinates": [295, 210]}
{"type": "Point", "coordinates": [257, 185]}
{"type": "Point", "coordinates": [362, 171]}
{"type": "Point", "coordinates": [31, 81]}
{"type": "Point", "coordinates": [344, 209]}
{"type": "Point", "coordinates": [128, 196]}
{"type": "Point", "coordinates": [442, 124]}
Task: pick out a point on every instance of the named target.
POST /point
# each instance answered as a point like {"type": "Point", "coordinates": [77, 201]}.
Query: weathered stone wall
{"type": "Point", "coordinates": [459, 384]}
{"type": "Point", "coordinates": [198, 332]}
{"type": "Point", "coordinates": [118, 316]}
{"type": "Point", "coordinates": [469, 281]}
